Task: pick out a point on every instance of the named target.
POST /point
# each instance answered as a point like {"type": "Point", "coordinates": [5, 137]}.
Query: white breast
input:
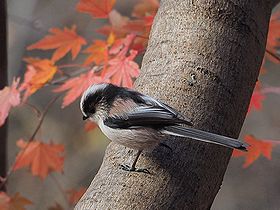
{"type": "Point", "coordinates": [139, 139]}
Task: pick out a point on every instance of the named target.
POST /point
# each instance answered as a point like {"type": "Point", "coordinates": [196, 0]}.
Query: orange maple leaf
{"type": "Point", "coordinates": [145, 8]}
{"type": "Point", "coordinates": [56, 207]}
{"type": "Point", "coordinates": [117, 25]}
{"type": "Point", "coordinates": [15, 202]}
{"type": "Point", "coordinates": [256, 149]}
{"type": "Point", "coordinates": [38, 73]}
{"type": "Point", "coordinates": [4, 201]}
{"type": "Point", "coordinates": [96, 8]}
{"type": "Point", "coordinates": [77, 85]}
{"type": "Point", "coordinates": [42, 158]}
{"type": "Point", "coordinates": [75, 195]}
{"type": "Point", "coordinates": [63, 41]}
{"type": "Point", "coordinates": [9, 97]}
{"type": "Point", "coordinates": [99, 51]}
{"type": "Point", "coordinates": [122, 69]}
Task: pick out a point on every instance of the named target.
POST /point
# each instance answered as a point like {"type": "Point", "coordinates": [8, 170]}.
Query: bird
{"type": "Point", "coordinates": [140, 122]}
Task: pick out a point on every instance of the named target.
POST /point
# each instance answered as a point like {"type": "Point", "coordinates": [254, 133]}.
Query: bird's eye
{"type": "Point", "coordinates": [98, 98]}
{"type": "Point", "coordinates": [92, 110]}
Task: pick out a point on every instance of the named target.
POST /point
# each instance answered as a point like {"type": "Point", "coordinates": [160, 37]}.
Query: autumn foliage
{"type": "Point", "coordinates": [40, 157]}
{"type": "Point", "coordinates": [257, 148]}
{"type": "Point", "coordinates": [111, 59]}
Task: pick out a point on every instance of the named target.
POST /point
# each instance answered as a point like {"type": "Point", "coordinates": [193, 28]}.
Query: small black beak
{"type": "Point", "coordinates": [85, 117]}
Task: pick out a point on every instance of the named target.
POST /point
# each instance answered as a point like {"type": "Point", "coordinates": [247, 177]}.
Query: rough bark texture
{"type": "Point", "coordinates": [203, 59]}
{"type": "Point", "coordinates": [274, 2]}
{"type": "Point", "coordinates": [3, 83]}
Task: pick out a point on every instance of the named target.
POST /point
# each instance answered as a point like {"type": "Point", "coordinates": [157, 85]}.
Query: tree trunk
{"type": "Point", "coordinates": [3, 83]}
{"type": "Point", "coordinates": [203, 59]}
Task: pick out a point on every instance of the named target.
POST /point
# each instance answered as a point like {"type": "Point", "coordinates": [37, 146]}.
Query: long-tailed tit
{"type": "Point", "coordinates": [140, 122]}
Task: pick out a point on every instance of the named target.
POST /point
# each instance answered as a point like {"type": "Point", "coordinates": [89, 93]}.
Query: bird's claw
{"type": "Point", "coordinates": [133, 169]}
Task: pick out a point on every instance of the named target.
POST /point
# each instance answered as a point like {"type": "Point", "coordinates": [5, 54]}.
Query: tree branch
{"type": "Point", "coordinates": [42, 116]}
{"type": "Point", "coordinates": [219, 47]}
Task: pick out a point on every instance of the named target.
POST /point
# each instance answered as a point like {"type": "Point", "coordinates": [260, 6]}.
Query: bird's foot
{"type": "Point", "coordinates": [133, 169]}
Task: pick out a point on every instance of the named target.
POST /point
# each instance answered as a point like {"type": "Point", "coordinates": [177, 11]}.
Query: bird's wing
{"type": "Point", "coordinates": [156, 103]}
{"type": "Point", "coordinates": [147, 116]}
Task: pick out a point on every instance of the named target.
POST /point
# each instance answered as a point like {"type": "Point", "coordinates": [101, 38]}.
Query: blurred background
{"type": "Point", "coordinates": [256, 187]}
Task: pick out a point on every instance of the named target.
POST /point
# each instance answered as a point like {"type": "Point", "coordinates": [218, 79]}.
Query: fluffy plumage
{"type": "Point", "coordinates": [139, 121]}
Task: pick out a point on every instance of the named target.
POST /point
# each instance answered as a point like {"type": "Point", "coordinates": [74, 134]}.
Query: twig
{"type": "Point", "coordinates": [76, 73]}
{"type": "Point", "coordinates": [143, 37]}
{"type": "Point", "coordinates": [272, 54]}
{"type": "Point", "coordinates": [64, 73]}
{"type": "Point", "coordinates": [272, 141]}
{"type": "Point", "coordinates": [34, 108]}
{"type": "Point", "coordinates": [41, 119]}
{"type": "Point", "coordinates": [69, 65]}
{"type": "Point", "coordinates": [268, 89]}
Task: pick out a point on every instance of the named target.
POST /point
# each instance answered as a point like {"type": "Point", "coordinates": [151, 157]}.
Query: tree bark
{"type": "Point", "coordinates": [203, 58]}
{"type": "Point", "coordinates": [3, 83]}
{"type": "Point", "coordinates": [274, 2]}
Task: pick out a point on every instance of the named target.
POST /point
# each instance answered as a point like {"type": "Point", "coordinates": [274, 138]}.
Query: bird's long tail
{"type": "Point", "coordinates": [205, 136]}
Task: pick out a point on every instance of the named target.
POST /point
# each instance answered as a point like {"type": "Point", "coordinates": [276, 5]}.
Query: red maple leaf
{"type": "Point", "coordinates": [145, 11]}
{"type": "Point", "coordinates": [89, 126]}
{"type": "Point", "coordinates": [122, 46]}
{"type": "Point", "coordinates": [15, 202]}
{"type": "Point", "coordinates": [9, 97]}
{"type": "Point", "coordinates": [256, 101]}
{"type": "Point", "coordinates": [256, 149]}
{"type": "Point", "coordinates": [142, 29]}
{"type": "Point", "coordinates": [75, 195]}
{"type": "Point", "coordinates": [122, 69]}
{"type": "Point", "coordinates": [42, 158]}
{"type": "Point", "coordinates": [96, 8]}
{"type": "Point", "coordinates": [122, 25]}
{"type": "Point", "coordinates": [63, 41]}
{"type": "Point", "coordinates": [117, 25]}
{"type": "Point", "coordinates": [38, 73]}
{"type": "Point", "coordinates": [145, 8]}
{"type": "Point", "coordinates": [77, 85]}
